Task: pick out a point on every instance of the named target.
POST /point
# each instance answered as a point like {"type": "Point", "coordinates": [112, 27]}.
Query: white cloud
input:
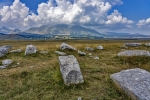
{"type": "Point", "coordinates": [62, 11]}
{"type": "Point", "coordinates": [116, 18]}
{"type": "Point", "coordinates": [144, 23]}
{"type": "Point", "coordinates": [13, 16]}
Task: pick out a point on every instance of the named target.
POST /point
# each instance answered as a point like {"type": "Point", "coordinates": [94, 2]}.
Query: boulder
{"type": "Point", "coordinates": [81, 53]}
{"type": "Point", "coordinates": [16, 51]}
{"type": "Point", "coordinates": [65, 46]}
{"type": "Point", "coordinates": [89, 49]}
{"type": "Point", "coordinates": [7, 62]}
{"type": "Point", "coordinates": [61, 53]}
{"type": "Point", "coordinates": [134, 82]}
{"type": "Point", "coordinates": [8, 47]}
{"type": "Point", "coordinates": [128, 53]}
{"type": "Point", "coordinates": [30, 49]}
{"type": "Point", "coordinates": [100, 48]}
{"type": "Point", "coordinates": [132, 44]}
{"type": "Point", "coordinates": [2, 67]}
{"type": "Point", "coordinates": [70, 70]}
{"type": "Point", "coordinates": [3, 51]}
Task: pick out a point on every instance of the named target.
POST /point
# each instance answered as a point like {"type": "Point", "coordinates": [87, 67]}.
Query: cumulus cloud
{"type": "Point", "coordinates": [62, 12]}
{"type": "Point", "coordinates": [81, 11]}
{"type": "Point", "coordinates": [13, 16]}
{"type": "Point", "coordinates": [116, 17]}
{"type": "Point", "coordinates": [144, 23]}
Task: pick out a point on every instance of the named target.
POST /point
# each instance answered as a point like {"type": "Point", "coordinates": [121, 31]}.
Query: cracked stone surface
{"type": "Point", "coordinates": [134, 82]}
{"type": "Point", "coordinates": [70, 70]}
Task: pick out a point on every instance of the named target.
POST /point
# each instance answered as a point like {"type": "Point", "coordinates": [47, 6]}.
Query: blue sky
{"type": "Point", "coordinates": [103, 15]}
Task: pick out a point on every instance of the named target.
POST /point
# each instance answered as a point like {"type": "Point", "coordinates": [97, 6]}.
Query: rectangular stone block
{"type": "Point", "coordinates": [70, 70]}
{"type": "Point", "coordinates": [134, 82]}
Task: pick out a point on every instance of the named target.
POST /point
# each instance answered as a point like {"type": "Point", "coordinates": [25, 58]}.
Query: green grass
{"type": "Point", "coordinates": [37, 77]}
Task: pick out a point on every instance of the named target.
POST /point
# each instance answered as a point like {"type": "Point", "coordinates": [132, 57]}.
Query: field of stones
{"type": "Point", "coordinates": [75, 70]}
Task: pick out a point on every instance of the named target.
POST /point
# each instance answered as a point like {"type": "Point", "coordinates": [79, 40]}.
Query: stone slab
{"type": "Point", "coordinates": [134, 82]}
{"type": "Point", "coordinates": [70, 70]}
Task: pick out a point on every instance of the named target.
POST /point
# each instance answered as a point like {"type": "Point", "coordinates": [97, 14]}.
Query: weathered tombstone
{"type": "Point", "coordinates": [30, 49]}
{"type": "Point", "coordinates": [3, 51]}
{"type": "Point", "coordinates": [61, 53]}
{"type": "Point", "coordinates": [89, 49]}
{"type": "Point", "coordinates": [8, 47]}
{"type": "Point", "coordinates": [70, 70]}
{"type": "Point", "coordinates": [65, 46]}
{"type": "Point", "coordinates": [132, 44]}
{"type": "Point", "coordinates": [16, 51]}
{"type": "Point", "coordinates": [100, 48]}
{"type": "Point", "coordinates": [81, 53]}
{"type": "Point", "coordinates": [7, 62]}
{"type": "Point", "coordinates": [134, 82]}
{"type": "Point", "coordinates": [128, 53]}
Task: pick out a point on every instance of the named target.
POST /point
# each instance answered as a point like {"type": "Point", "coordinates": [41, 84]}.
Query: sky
{"type": "Point", "coordinates": [127, 16]}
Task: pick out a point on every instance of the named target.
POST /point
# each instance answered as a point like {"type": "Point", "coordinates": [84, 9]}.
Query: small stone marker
{"type": "Point", "coordinates": [70, 70]}
{"type": "Point", "coordinates": [3, 51]}
{"type": "Point", "coordinates": [132, 44]}
{"type": "Point", "coordinates": [129, 53]}
{"type": "Point", "coordinates": [89, 49]}
{"type": "Point", "coordinates": [7, 62]}
{"type": "Point", "coordinates": [100, 48]}
{"type": "Point", "coordinates": [81, 53]}
{"type": "Point", "coordinates": [30, 49]}
{"type": "Point", "coordinates": [134, 82]}
{"type": "Point", "coordinates": [65, 46]}
{"type": "Point", "coordinates": [61, 53]}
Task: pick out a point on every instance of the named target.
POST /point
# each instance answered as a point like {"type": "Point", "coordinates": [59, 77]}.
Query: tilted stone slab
{"type": "Point", "coordinates": [134, 82]}
{"type": "Point", "coordinates": [3, 51]}
{"type": "Point", "coordinates": [129, 53]}
{"type": "Point", "coordinates": [132, 44]}
{"type": "Point", "coordinates": [60, 53]}
{"type": "Point", "coordinates": [70, 70]}
{"type": "Point", "coordinates": [65, 46]}
{"type": "Point", "coordinates": [30, 49]}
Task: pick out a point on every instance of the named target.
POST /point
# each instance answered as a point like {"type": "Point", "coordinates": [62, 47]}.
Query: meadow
{"type": "Point", "coordinates": [37, 76]}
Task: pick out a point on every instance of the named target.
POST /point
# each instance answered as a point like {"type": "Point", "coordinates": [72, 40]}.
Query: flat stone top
{"type": "Point", "coordinates": [69, 61]}
{"type": "Point", "coordinates": [134, 53]}
{"type": "Point", "coordinates": [135, 82]}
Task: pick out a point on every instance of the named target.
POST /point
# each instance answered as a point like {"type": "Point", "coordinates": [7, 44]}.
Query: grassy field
{"type": "Point", "coordinates": [37, 77]}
